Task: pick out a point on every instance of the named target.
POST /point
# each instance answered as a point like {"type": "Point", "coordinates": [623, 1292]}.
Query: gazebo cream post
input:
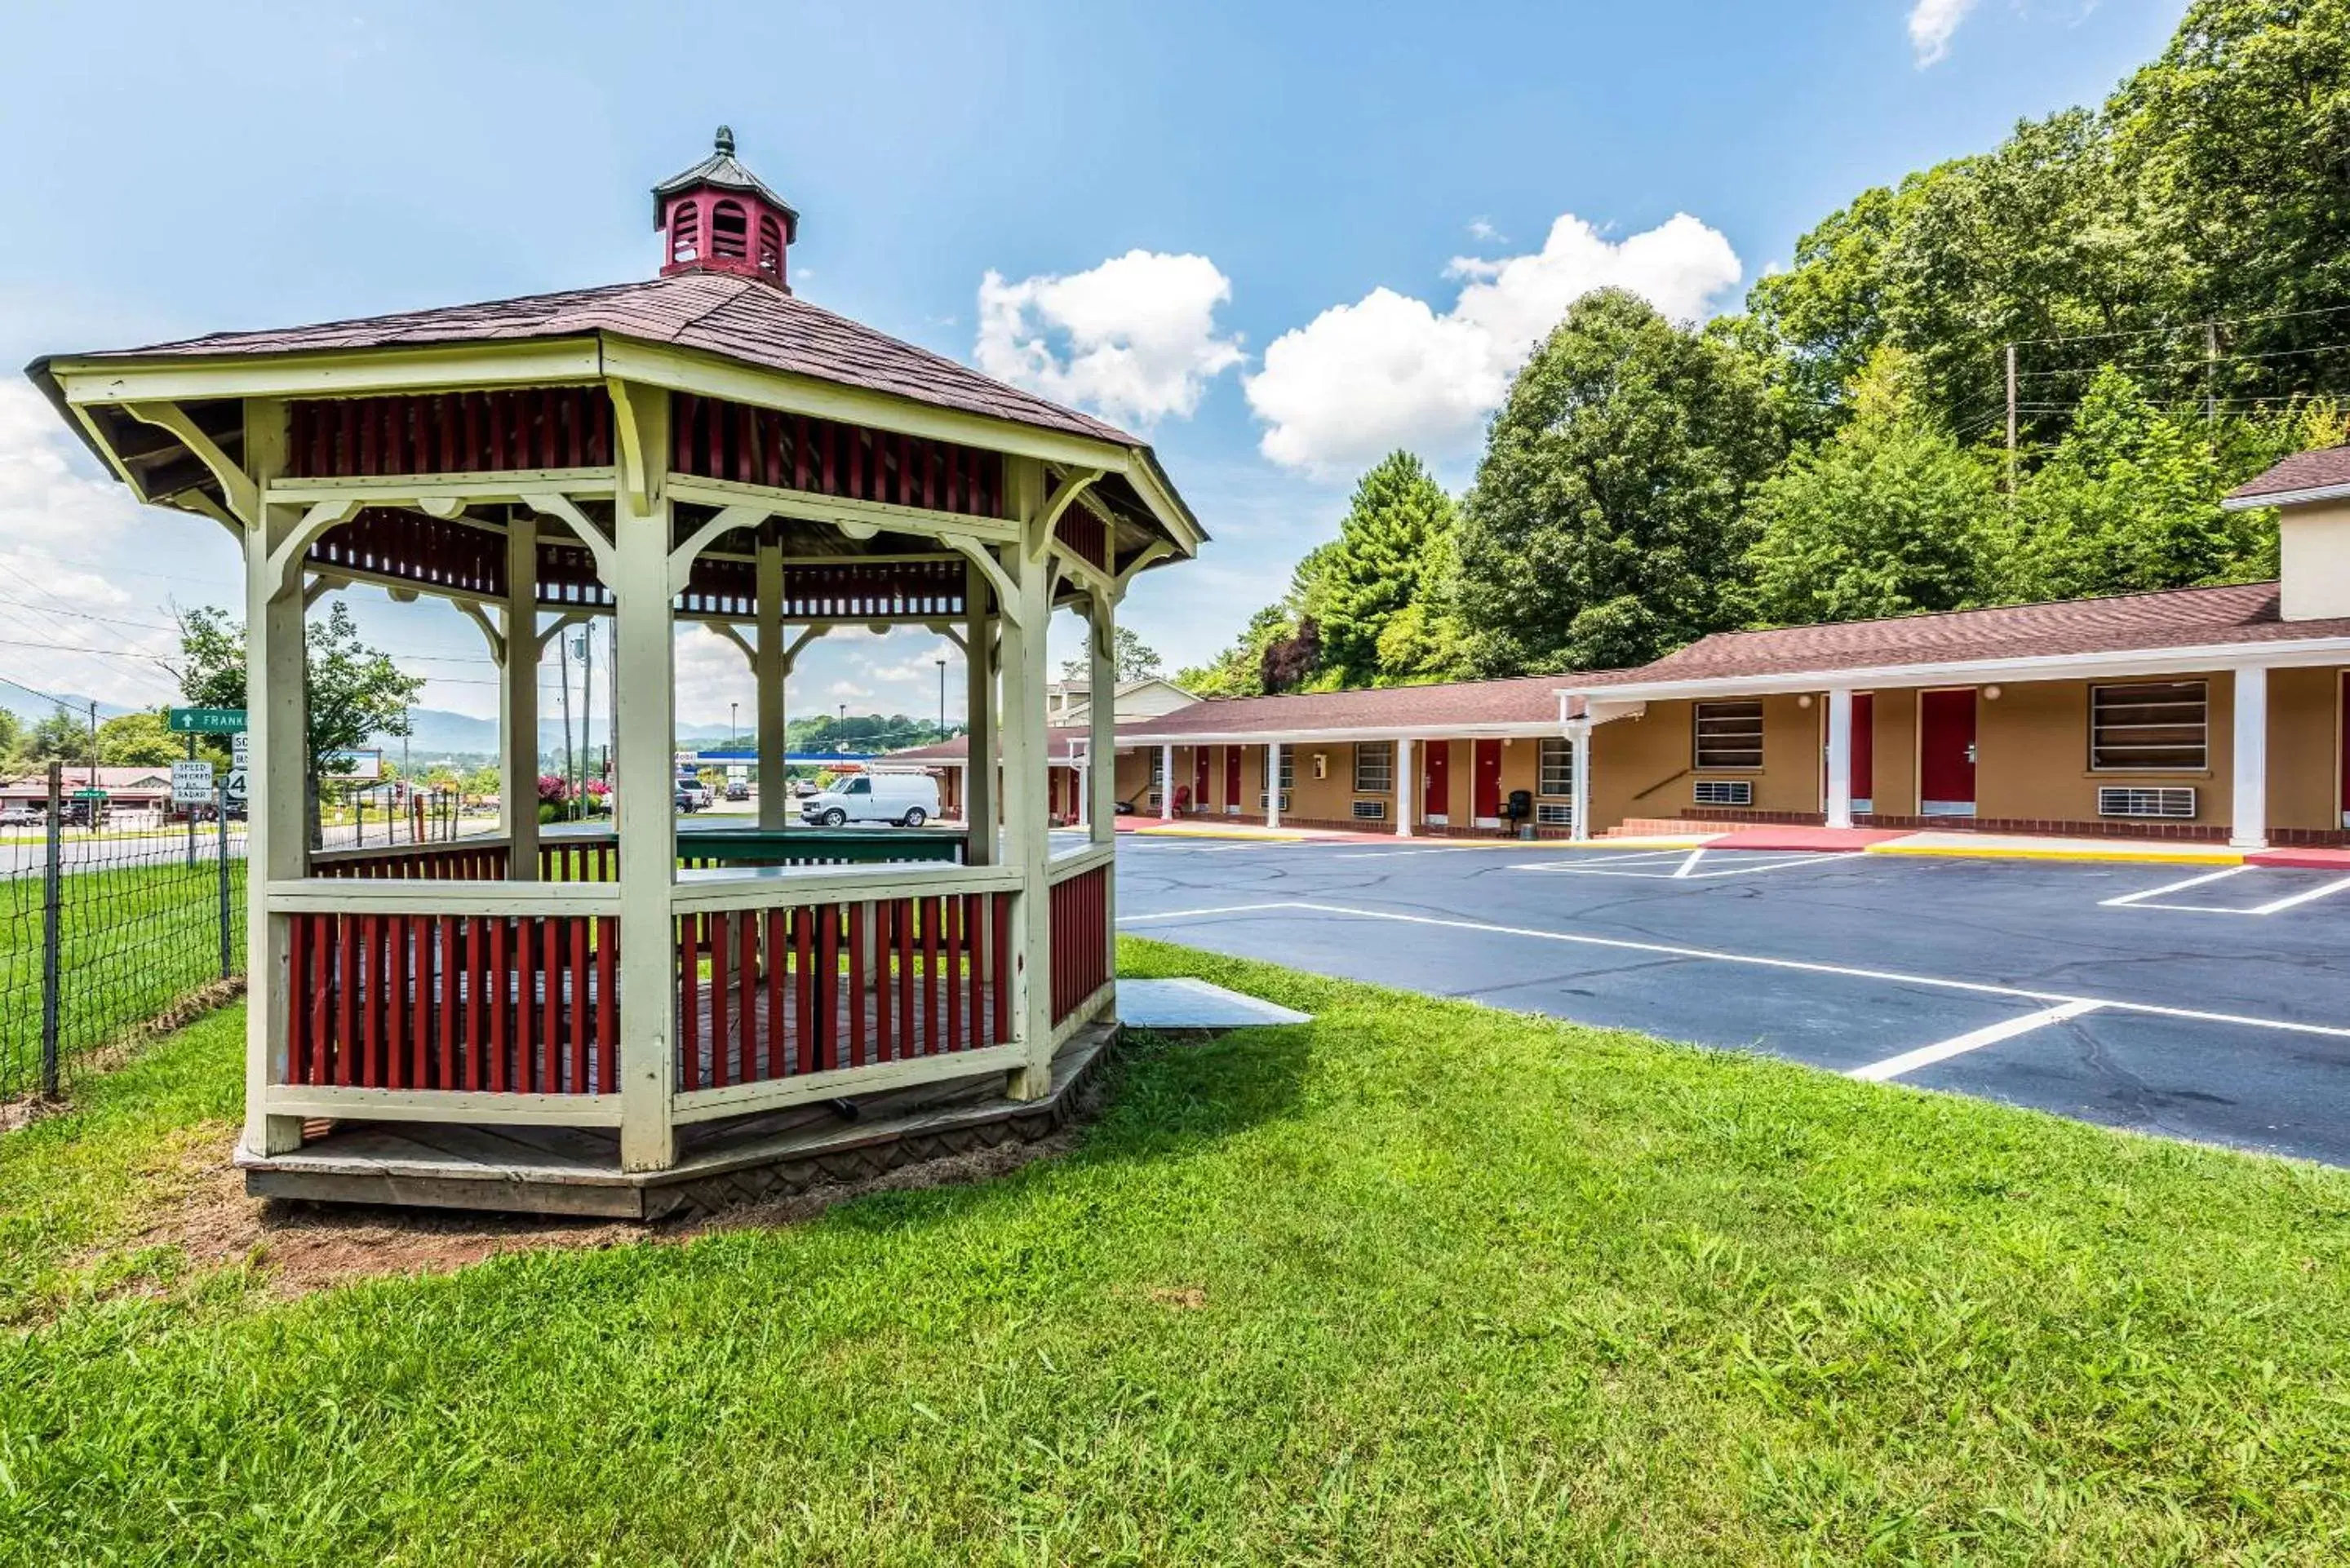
{"type": "Point", "coordinates": [372, 998]}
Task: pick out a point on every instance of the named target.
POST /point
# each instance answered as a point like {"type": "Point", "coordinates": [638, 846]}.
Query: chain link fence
{"type": "Point", "coordinates": [114, 922]}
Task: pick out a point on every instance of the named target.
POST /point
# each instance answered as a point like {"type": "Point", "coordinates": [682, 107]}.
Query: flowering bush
{"type": "Point", "coordinates": [553, 790]}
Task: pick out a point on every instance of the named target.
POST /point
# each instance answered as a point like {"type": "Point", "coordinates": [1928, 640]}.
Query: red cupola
{"type": "Point", "coordinates": [718, 216]}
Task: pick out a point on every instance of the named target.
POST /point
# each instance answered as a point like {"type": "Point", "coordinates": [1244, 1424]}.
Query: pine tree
{"type": "Point", "coordinates": [1395, 535]}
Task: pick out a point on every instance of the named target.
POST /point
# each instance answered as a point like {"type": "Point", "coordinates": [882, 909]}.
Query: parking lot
{"type": "Point", "coordinates": [2203, 1004]}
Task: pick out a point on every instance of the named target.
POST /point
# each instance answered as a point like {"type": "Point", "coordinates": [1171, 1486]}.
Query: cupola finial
{"type": "Point", "coordinates": [720, 217]}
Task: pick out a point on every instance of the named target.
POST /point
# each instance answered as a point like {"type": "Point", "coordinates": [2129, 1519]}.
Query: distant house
{"type": "Point", "coordinates": [127, 789]}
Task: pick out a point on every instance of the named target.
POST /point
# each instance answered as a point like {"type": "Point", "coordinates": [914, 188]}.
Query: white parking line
{"type": "Point", "coordinates": [1926, 1055]}
{"type": "Point", "coordinates": [2145, 901]}
{"type": "Point", "coordinates": [1757, 960]}
{"type": "Point", "coordinates": [2140, 896]}
{"type": "Point", "coordinates": [1684, 865]}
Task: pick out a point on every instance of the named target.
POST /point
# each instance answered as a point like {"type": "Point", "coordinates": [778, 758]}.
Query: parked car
{"type": "Point", "coordinates": [906, 799]}
{"type": "Point", "coordinates": [689, 799]}
{"type": "Point", "coordinates": [737, 790]}
{"type": "Point", "coordinates": [19, 816]}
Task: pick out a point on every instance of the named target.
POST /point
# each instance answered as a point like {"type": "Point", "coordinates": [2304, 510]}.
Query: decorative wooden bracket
{"type": "Point", "coordinates": [561, 624]}
{"type": "Point", "coordinates": [681, 560]}
{"type": "Point", "coordinates": [285, 560]}
{"type": "Point", "coordinates": [948, 630]}
{"type": "Point", "coordinates": [244, 495]}
{"type": "Point", "coordinates": [198, 501]}
{"type": "Point", "coordinates": [1007, 596]}
{"type": "Point", "coordinates": [792, 649]}
{"type": "Point", "coordinates": [640, 420]}
{"type": "Point", "coordinates": [560, 507]}
{"type": "Point", "coordinates": [735, 637]}
{"type": "Point", "coordinates": [320, 586]}
{"type": "Point", "coordinates": [1063, 497]}
{"type": "Point", "coordinates": [490, 633]}
{"type": "Point", "coordinates": [1158, 549]}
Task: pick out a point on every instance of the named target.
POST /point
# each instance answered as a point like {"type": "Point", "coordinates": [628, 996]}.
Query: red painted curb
{"type": "Point", "coordinates": [1825, 838]}
{"type": "Point", "coordinates": [2306, 859]}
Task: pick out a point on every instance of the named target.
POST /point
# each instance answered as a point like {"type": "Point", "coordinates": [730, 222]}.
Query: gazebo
{"type": "Point", "coordinates": [547, 1019]}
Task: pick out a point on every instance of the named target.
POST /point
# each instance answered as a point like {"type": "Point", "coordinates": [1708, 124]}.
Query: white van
{"type": "Point", "coordinates": [909, 800]}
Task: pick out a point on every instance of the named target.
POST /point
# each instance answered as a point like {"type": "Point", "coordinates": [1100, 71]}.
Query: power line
{"type": "Point", "coordinates": [2185, 326]}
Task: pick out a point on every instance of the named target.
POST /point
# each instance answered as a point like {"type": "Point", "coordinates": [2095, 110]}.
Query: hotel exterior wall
{"type": "Point", "coordinates": [2032, 761]}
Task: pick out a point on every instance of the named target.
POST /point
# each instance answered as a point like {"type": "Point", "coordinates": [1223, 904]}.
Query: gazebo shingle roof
{"type": "Point", "coordinates": [738, 317]}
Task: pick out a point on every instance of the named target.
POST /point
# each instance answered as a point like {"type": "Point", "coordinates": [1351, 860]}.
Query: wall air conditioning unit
{"type": "Point", "coordinates": [1370, 811]}
{"type": "Point", "coordinates": [1284, 800]}
{"type": "Point", "coordinates": [1554, 813]}
{"type": "Point", "coordinates": [2167, 803]}
{"type": "Point", "coordinates": [1724, 792]}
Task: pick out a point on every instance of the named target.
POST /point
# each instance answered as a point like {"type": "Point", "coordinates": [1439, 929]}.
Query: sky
{"type": "Point", "coordinates": [1277, 241]}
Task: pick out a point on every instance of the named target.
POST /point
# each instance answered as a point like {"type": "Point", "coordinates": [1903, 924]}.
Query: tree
{"type": "Point", "coordinates": [1606, 526]}
{"type": "Point", "coordinates": [1886, 517]}
{"type": "Point", "coordinates": [140, 739]}
{"type": "Point", "coordinates": [1287, 662]}
{"type": "Point", "coordinates": [12, 737]}
{"type": "Point", "coordinates": [2129, 499]}
{"type": "Point", "coordinates": [1133, 658]}
{"type": "Point", "coordinates": [1396, 533]}
{"type": "Point", "coordinates": [1238, 670]}
{"type": "Point", "coordinates": [63, 736]}
{"type": "Point", "coordinates": [353, 692]}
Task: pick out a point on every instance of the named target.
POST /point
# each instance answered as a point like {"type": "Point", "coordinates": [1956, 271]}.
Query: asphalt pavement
{"type": "Point", "coordinates": [2172, 999]}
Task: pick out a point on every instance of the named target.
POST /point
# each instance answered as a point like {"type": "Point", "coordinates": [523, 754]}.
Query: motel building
{"type": "Point", "coordinates": [656, 1016]}
{"type": "Point", "coordinates": [2213, 714]}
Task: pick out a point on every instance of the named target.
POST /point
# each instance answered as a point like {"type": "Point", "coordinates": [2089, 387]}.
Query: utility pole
{"type": "Point", "coordinates": [2011, 418]}
{"type": "Point", "coordinates": [2211, 371]}
{"type": "Point", "coordinates": [587, 711]}
{"type": "Point", "coordinates": [942, 698]}
{"type": "Point", "coordinates": [563, 673]}
{"type": "Point", "coordinates": [93, 760]}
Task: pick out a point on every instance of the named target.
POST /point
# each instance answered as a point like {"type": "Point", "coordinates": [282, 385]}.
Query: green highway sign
{"type": "Point", "coordinates": [207, 720]}
{"type": "Point", "coordinates": [89, 794]}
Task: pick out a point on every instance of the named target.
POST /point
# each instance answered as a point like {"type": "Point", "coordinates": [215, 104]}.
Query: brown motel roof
{"type": "Point", "coordinates": [2179, 617]}
{"type": "Point", "coordinates": [1519, 700]}
{"type": "Point", "coordinates": [1058, 740]}
{"type": "Point", "coordinates": [738, 317]}
{"type": "Point", "coordinates": [2319, 469]}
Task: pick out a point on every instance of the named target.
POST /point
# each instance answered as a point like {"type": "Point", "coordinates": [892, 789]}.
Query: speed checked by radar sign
{"type": "Point", "coordinates": [192, 783]}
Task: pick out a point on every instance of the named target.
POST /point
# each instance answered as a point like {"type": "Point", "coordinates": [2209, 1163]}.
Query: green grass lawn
{"type": "Point", "coordinates": [134, 938]}
{"type": "Point", "coordinates": [1419, 1281]}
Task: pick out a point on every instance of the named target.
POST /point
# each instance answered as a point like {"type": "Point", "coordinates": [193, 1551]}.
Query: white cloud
{"type": "Point", "coordinates": [1482, 231]}
{"type": "Point", "coordinates": [1360, 379]}
{"type": "Point", "coordinates": [1134, 337]}
{"type": "Point", "coordinates": [1932, 24]}
{"type": "Point", "coordinates": [59, 525]}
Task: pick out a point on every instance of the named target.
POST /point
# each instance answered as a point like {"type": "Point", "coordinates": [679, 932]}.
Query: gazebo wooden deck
{"type": "Point", "coordinates": [625, 1013]}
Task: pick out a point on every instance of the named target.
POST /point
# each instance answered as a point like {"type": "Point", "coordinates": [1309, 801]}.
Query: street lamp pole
{"type": "Point", "coordinates": [731, 708]}
{"type": "Point", "coordinates": [942, 697]}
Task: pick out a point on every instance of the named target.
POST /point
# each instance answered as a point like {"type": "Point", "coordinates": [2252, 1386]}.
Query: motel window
{"type": "Point", "coordinates": [1288, 769]}
{"type": "Point", "coordinates": [1374, 767]}
{"type": "Point", "coordinates": [1158, 767]}
{"type": "Point", "coordinates": [1557, 772]}
{"type": "Point", "coordinates": [2159, 726]}
{"type": "Point", "coordinates": [1729, 734]}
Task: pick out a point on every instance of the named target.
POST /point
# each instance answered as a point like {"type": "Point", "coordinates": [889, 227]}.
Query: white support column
{"type": "Point", "coordinates": [979, 771]}
{"type": "Point", "coordinates": [644, 651]}
{"type": "Point", "coordinates": [277, 826]}
{"type": "Point", "coordinates": [518, 766]}
{"type": "Point", "coordinates": [1407, 785]}
{"type": "Point", "coordinates": [1026, 842]}
{"type": "Point", "coordinates": [1101, 717]}
{"type": "Point", "coordinates": [774, 798]}
{"type": "Point", "coordinates": [1167, 782]}
{"type": "Point", "coordinates": [1081, 783]}
{"type": "Point", "coordinates": [1839, 763]}
{"type": "Point", "coordinates": [1273, 783]}
{"type": "Point", "coordinates": [2250, 795]}
{"type": "Point", "coordinates": [1578, 734]}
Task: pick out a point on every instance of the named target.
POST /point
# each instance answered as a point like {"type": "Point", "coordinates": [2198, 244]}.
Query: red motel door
{"type": "Point", "coordinates": [1864, 748]}
{"type": "Point", "coordinates": [1945, 752]}
{"type": "Point", "coordinates": [1199, 778]}
{"type": "Point", "coordinates": [1436, 783]}
{"type": "Point", "coordinates": [1231, 779]}
{"type": "Point", "coordinates": [1485, 783]}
